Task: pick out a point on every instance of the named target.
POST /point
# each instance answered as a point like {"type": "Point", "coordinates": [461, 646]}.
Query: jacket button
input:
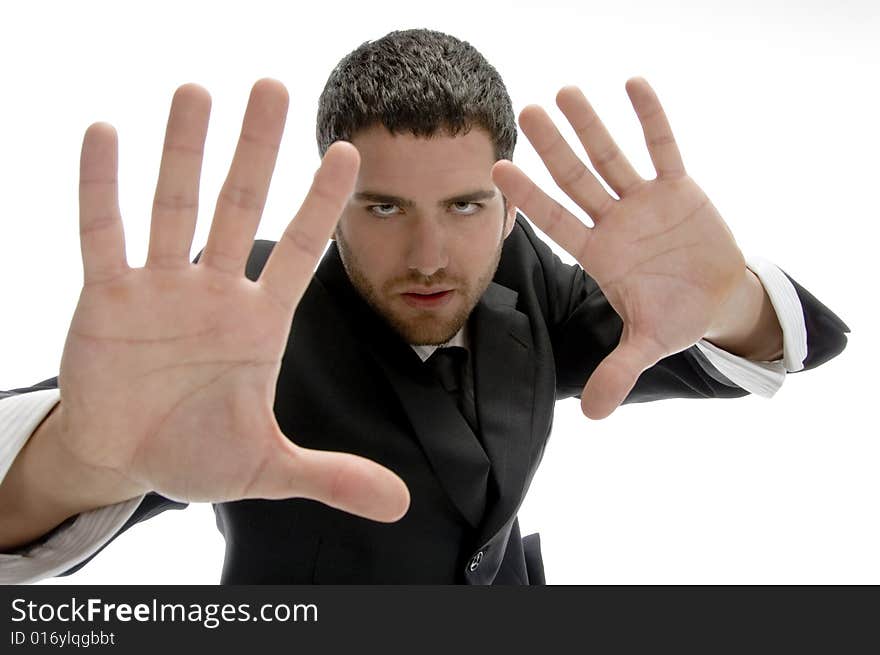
{"type": "Point", "coordinates": [475, 561]}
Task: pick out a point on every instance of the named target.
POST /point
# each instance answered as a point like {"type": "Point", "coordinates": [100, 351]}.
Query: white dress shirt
{"type": "Point", "coordinates": [86, 533]}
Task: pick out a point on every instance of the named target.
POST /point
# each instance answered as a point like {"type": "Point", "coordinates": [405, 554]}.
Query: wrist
{"type": "Point", "coordinates": [52, 484]}
{"type": "Point", "coordinates": [747, 324]}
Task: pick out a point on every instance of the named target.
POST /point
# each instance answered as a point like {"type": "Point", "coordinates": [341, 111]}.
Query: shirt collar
{"type": "Point", "coordinates": [460, 339]}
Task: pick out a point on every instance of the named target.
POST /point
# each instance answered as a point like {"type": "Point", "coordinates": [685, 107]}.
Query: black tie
{"type": "Point", "coordinates": [449, 364]}
{"type": "Point", "coordinates": [471, 462]}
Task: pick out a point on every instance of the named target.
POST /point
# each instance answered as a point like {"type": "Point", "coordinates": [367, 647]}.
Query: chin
{"type": "Point", "coordinates": [425, 334]}
{"type": "Point", "coordinates": [424, 330]}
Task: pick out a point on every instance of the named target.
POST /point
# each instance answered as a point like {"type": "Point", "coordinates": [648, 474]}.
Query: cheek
{"type": "Point", "coordinates": [364, 243]}
{"type": "Point", "coordinates": [378, 260]}
{"type": "Point", "coordinates": [481, 237]}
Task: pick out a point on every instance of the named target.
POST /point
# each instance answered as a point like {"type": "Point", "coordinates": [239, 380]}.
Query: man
{"type": "Point", "coordinates": [195, 382]}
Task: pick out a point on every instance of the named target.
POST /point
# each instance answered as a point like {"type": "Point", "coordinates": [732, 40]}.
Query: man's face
{"type": "Point", "coordinates": [421, 236]}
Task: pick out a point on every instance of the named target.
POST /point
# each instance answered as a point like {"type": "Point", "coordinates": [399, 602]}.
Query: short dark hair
{"type": "Point", "coordinates": [419, 81]}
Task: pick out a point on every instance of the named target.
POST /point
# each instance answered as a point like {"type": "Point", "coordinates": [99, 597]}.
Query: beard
{"type": "Point", "coordinates": [421, 327]}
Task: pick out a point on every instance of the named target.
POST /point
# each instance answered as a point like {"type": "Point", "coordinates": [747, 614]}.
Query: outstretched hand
{"type": "Point", "coordinates": [659, 251]}
{"type": "Point", "coordinates": [168, 375]}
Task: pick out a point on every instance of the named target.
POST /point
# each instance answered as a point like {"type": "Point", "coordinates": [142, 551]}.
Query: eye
{"type": "Point", "coordinates": [466, 208]}
{"type": "Point", "coordinates": [383, 211]}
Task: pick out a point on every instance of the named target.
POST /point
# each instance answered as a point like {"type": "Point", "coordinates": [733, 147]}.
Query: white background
{"type": "Point", "coordinates": [774, 105]}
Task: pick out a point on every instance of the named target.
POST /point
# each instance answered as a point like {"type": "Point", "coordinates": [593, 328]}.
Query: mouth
{"type": "Point", "coordinates": [426, 298]}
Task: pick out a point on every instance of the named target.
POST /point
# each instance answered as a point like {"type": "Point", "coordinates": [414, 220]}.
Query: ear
{"type": "Point", "coordinates": [509, 218]}
{"type": "Point", "coordinates": [337, 230]}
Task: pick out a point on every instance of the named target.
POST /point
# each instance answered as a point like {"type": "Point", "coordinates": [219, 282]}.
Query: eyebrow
{"type": "Point", "coordinates": [387, 199]}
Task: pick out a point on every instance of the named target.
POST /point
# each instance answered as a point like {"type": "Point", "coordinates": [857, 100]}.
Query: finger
{"type": "Point", "coordinates": [292, 262]}
{"type": "Point", "coordinates": [604, 153]}
{"type": "Point", "coordinates": [551, 218]}
{"type": "Point", "coordinates": [615, 377]}
{"type": "Point", "coordinates": [241, 200]}
{"type": "Point", "coordinates": [568, 171]}
{"type": "Point", "coordinates": [658, 134]}
{"type": "Point", "coordinates": [348, 482]}
{"type": "Point", "coordinates": [101, 236]}
{"type": "Point", "coordinates": [176, 203]}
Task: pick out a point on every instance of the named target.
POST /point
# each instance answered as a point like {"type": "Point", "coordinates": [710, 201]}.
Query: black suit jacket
{"type": "Point", "coordinates": [349, 383]}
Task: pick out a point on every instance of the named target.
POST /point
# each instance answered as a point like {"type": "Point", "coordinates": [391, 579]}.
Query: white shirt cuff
{"type": "Point", "coordinates": [69, 545]}
{"type": "Point", "coordinates": [765, 378]}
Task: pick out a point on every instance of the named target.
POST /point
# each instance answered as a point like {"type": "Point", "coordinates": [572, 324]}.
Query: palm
{"type": "Point", "coordinates": [660, 252]}
{"type": "Point", "coordinates": [140, 357]}
{"type": "Point", "coordinates": [664, 261]}
{"type": "Point", "coordinates": [168, 374]}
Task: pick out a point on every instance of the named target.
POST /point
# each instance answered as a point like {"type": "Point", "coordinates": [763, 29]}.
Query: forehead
{"type": "Point", "coordinates": [399, 162]}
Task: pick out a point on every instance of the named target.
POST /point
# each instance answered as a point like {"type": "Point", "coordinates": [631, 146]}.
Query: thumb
{"type": "Point", "coordinates": [616, 375]}
{"type": "Point", "coordinates": [348, 482]}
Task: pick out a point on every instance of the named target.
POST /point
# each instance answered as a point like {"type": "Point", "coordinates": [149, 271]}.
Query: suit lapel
{"type": "Point", "coordinates": [504, 390]}
{"type": "Point", "coordinates": [458, 459]}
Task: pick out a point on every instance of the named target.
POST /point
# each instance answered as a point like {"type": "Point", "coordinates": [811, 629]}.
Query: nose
{"type": "Point", "coordinates": [427, 252]}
